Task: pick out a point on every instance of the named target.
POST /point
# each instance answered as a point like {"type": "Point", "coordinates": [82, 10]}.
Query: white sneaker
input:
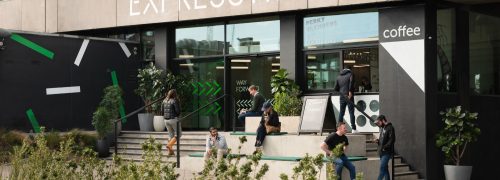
{"type": "Point", "coordinates": [354, 131]}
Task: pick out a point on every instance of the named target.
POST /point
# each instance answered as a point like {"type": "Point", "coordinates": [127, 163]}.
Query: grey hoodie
{"type": "Point", "coordinates": [345, 82]}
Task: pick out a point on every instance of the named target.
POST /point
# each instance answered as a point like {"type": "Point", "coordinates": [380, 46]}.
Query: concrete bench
{"type": "Point", "coordinates": [283, 158]}
{"type": "Point", "coordinates": [239, 133]}
{"type": "Point", "coordinates": [289, 124]}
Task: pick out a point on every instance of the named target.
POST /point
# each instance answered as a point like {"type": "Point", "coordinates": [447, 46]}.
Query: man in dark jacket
{"type": "Point", "coordinates": [385, 143]}
{"type": "Point", "coordinates": [345, 85]}
{"type": "Point", "coordinates": [257, 102]}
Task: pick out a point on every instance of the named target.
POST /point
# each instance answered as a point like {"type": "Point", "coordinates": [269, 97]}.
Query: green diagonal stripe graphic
{"type": "Point", "coordinates": [218, 108]}
{"type": "Point", "coordinates": [211, 88]}
{"type": "Point", "coordinates": [195, 88]}
{"type": "Point", "coordinates": [34, 122]}
{"type": "Point", "coordinates": [49, 54]}
{"type": "Point", "coordinates": [202, 88]}
{"type": "Point", "coordinates": [114, 78]}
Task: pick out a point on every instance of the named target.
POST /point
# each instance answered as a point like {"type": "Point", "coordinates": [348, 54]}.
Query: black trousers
{"type": "Point", "coordinates": [261, 135]}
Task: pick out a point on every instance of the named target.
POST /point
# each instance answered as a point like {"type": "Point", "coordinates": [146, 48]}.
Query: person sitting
{"type": "Point", "coordinates": [331, 142]}
{"type": "Point", "coordinates": [217, 142]}
{"type": "Point", "coordinates": [269, 123]}
{"type": "Point", "coordinates": [257, 100]}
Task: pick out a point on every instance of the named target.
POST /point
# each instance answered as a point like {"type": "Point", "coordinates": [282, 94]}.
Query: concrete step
{"type": "Point", "coordinates": [160, 140]}
{"type": "Point", "coordinates": [183, 148]}
{"type": "Point", "coordinates": [371, 152]}
{"type": "Point", "coordinates": [163, 135]}
{"type": "Point", "coordinates": [139, 159]}
{"type": "Point", "coordinates": [165, 132]}
{"type": "Point", "coordinates": [408, 175]}
{"type": "Point", "coordinates": [163, 152]}
{"type": "Point", "coordinates": [398, 159]}
{"type": "Point", "coordinates": [401, 167]}
{"type": "Point", "coordinates": [138, 154]}
{"type": "Point", "coordinates": [370, 144]}
{"type": "Point", "coordinates": [127, 145]}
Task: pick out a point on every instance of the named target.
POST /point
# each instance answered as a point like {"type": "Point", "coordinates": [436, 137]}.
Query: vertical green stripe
{"type": "Point", "coordinates": [49, 54]}
{"type": "Point", "coordinates": [34, 122]}
{"type": "Point", "coordinates": [114, 78]}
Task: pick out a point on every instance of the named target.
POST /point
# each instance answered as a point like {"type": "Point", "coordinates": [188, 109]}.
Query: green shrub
{"type": "Point", "coordinates": [53, 139]}
{"type": "Point", "coordinates": [286, 94]}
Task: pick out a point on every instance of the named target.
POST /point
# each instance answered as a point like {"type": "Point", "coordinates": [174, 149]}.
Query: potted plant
{"type": "Point", "coordinates": [286, 100]}
{"type": "Point", "coordinates": [459, 131]}
{"type": "Point", "coordinates": [103, 118]}
{"type": "Point", "coordinates": [150, 86]}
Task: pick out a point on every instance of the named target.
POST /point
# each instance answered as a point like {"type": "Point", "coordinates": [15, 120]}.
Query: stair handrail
{"type": "Point", "coordinates": [178, 154]}
{"type": "Point", "coordinates": [115, 122]}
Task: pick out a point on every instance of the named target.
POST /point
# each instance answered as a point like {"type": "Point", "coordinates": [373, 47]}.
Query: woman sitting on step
{"type": "Point", "coordinates": [171, 110]}
{"type": "Point", "coordinates": [269, 123]}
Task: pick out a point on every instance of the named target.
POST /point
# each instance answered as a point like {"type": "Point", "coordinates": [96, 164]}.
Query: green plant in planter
{"type": "Point", "coordinates": [151, 86]}
{"type": "Point", "coordinates": [459, 130]}
{"type": "Point", "coordinates": [108, 110]}
{"type": "Point", "coordinates": [286, 94]}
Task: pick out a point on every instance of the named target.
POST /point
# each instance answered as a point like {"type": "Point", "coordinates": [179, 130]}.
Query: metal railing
{"type": "Point", "coordinates": [115, 123]}
{"type": "Point", "coordinates": [178, 154]}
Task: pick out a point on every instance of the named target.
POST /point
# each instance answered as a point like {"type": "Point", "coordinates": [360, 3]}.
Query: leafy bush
{"type": "Point", "coordinates": [112, 99]}
{"type": "Point", "coordinates": [230, 168]}
{"type": "Point", "coordinates": [459, 130]}
{"type": "Point", "coordinates": [102, 122]}
{"type": "Point", "coordinates": [108, 111]}
{"type": "Point", "coordinates": [286, 94]}
{"type": "Point", "coordinates": [9, 139]}
{"type": "Point", "coordinates": [40, 162]}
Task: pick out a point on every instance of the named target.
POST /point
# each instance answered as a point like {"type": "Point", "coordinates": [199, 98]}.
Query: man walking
{"type": "Point", "coordinates": [331, 142]}
{"type": "Point", "coordinates": [345, 85]}
{"type": "Point", "coordinates": [385, 143]}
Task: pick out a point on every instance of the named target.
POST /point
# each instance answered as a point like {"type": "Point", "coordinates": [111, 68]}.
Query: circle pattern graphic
{"type": "Point", "coordinates": [362, 105]}
{"type": "Point", "coordinates": [374, 105]}
{"type": "Point", "coordinates": [374, 117]}
{"type": "Point", "coordinates": [361, 121]}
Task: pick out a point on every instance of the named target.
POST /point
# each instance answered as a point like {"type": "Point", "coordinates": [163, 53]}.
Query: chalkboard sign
{"type": "Point", "coordinates": [315, 110]}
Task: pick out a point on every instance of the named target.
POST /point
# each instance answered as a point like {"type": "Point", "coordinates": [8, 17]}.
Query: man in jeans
{"type": "Point", "coordinates": [345, 85]}
{"type": "Point", "coordinates": [331, 142]}
{"type": "Point", "coordinates": [385, 143]}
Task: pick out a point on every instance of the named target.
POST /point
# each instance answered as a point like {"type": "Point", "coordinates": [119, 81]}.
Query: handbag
{"type": "Point", "coordinates": [271, 129]}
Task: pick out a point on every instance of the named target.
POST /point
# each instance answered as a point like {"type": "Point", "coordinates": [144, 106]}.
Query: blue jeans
{"type": "Point", "coordinates": [344, 103]}
{"type": "Point", "coordinates": [242, 116]}
{"type": "Point", "coordinates": [384, 166]}
{"type": "Point", "coordinates": [340, 163]}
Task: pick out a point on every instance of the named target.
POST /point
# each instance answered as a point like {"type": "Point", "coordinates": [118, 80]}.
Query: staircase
{"type": "Point", "coordinates": [402, 171]}
{"type": "Point", "coordinates": [130, 142]}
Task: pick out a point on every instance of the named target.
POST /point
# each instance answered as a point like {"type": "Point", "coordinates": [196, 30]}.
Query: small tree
{"type": "Point", "coordinates": [459, 130]}
{"type": "Point", "coordinates": [108, 110]}
{"type": "Point", "coordinates": [151, 86]}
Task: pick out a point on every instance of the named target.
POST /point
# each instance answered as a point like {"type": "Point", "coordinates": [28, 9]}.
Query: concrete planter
{"type": "Point", "coordinates": [457, 172]}
{"type": "Point", "coordinates": [145, 121]}
{"type": "Point", "coordinates": [158, 123]}
{"type": "Point", "coordinates": [289, 124]}
{"type": "Point", "coordinates": [102, 147]}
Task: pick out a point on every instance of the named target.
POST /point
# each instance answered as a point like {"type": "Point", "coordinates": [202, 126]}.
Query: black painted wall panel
{"type": "Point", "coordinates": [25, 75]}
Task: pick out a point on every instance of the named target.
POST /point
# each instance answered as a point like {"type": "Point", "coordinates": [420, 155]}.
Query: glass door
{"type": "Point", "coordinates": [251, 70]}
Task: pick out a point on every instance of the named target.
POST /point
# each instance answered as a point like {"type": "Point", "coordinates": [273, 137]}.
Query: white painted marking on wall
{"type": "Point", "coordinates": [125, 49]}
{"type": "Point", "coordinates": [410, 55]}
{"type": "Point", "coordinates": [63, 90]}
{"type": "Point", "coordinates": [81, 52]}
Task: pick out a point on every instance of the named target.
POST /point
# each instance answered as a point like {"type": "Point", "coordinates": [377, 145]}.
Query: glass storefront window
{"type": "Point", "coordinates": [484, 59]}
{"type": "Point", "coordinates": [246, 71]}
{"type": "Point", "coordinates": [334, 30]}
{"type": "Point", "coordinates": [253, 37]}
{"type": "Point", "coordinates": [322, 70]}
{"type": "Point", "coordinates": [206, 84]}
{"type": "Point", "coordinates": [445, 50]}
{"type": "Point", "coordinates": [148, 45]}
{"type": "Point", "coordinates": [364, 64]}
{"type": "Point", "coordinates": [199, 41]}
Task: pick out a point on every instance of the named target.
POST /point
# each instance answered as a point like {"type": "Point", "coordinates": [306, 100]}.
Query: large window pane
{"type": "Point", "coordinates": [484, 60]}
{"type": "Point", "coordinates": [148, 45]}
{"type": "Point", "coordinates": [206, 84]}
{"type": "Point", "coordinates": [199, 41]}
{"type": "Point", "coordinates": [364, 64]}
{"type": "Point", "coordinates": [334, 30]}
{"type": "Point", "coordinates": [246, 71]}
{"type": "Point", "coordinates": [253, 37]}
{"type": "Point", "coordinates": [445, 50]}
{"type": "Point", "coordinates": [322, 70]}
